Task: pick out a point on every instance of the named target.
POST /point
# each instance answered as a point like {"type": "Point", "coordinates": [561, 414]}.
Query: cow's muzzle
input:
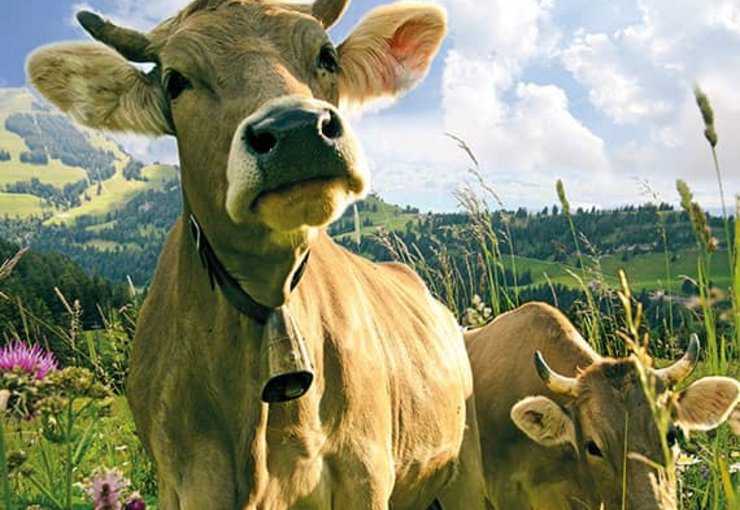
{"type": "Point", "coordinates": [308, 124]}
{"type": "Point", "coordinates": [294, 157]}
{"type": "Point", "coordinates": [297, 143]}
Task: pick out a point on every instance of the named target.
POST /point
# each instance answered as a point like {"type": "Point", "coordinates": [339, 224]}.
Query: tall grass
{"type": "Point", "coordinates": [610, 316]}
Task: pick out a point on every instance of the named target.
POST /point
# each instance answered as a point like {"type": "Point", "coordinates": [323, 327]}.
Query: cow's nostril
{"type": "Point", "coordinates": [331, 126]}
{"type": "Point", "coordinates": [260, 143]}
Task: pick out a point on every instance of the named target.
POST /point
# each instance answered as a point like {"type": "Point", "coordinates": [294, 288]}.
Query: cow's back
{"type": "Point", "coordinates": [502, 360]}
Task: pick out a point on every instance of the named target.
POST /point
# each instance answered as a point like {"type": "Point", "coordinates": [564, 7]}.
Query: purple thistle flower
{"type": "Point", "coordinates": [106, 487]}
{"type": "Point", "coordinates": [31, 359]}
{"type": "Point", "coordinates": [135, 503]}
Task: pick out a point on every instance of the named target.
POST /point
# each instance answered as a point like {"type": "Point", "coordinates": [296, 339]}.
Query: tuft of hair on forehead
{"type": "Point", "coordinates": [620, 374]}
{"type": "Point", "coordinates": [159, 35]}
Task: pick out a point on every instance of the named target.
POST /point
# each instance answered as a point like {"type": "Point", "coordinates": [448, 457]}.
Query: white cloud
{"type": "Point", "coordinates": [725, 15]}
{"type": "Point", "coordinates": [137, 14]}
{"type": "Point", "coordinates": [517, 128]}
{"type": "Point", "coordinates": [544, 90]}
{"type": "Point", "coordinates": [596, 62]}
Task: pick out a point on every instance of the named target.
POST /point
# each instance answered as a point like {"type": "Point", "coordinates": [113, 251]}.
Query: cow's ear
{"type": "Point", "coordinates": [707, 403]}
{"type": "Point", "coordinates": [99, 88]}
{"type": "Point", "coordinates": [544, 421]}
{"type": "Point", "coordinates": [390, 51]}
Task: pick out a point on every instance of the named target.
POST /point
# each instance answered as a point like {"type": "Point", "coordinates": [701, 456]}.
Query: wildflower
{"type": "Point", "coordinates": [685, 460]}
{"type": "Point", "coordinates": [31, 359]}
{"type": "Point", "coordinates": [135, 503]}
{"type": "Point", "coordinates": [106, 487]}
{"type": "Point", "coordinates": [704, 472]}
{"type": "Point", "coordinates": [76, 382]}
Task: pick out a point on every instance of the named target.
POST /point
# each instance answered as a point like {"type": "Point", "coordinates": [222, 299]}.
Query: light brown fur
{"type": "Point", "coordinates": [552, 469]}
{"type": "Point", "coordinates": [384, 424]}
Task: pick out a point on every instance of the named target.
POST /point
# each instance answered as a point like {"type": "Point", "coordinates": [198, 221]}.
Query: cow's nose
{"type": "Point", "coordinates": [264, 135]}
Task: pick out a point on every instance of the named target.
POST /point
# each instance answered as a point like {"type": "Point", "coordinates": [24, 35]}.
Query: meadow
{"type": "Point", "coordinates": [66, 429]}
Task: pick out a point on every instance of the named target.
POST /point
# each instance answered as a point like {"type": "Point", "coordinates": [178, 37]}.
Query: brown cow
{"type": "Point", "coordinates": [556, 442]}
{"type": "Point", "coordinates": [238, 321]}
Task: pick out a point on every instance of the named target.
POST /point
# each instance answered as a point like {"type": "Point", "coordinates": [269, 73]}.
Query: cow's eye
{"type": "Point", "coordinates": [328, 58]}
{"type": "Point", "coordinates": [175, 84]}
{"type": "Point", "coordinates": [593, 449]}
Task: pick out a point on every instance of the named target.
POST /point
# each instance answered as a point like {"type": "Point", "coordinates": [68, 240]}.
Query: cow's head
{"type": "Point", "coordinates": [609, 426]}
{"type": "Point", "coordinates": [250, 89]}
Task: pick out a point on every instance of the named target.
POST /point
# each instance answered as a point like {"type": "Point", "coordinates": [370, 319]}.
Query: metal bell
{"type": "Point", "coordinates": [287, 370]}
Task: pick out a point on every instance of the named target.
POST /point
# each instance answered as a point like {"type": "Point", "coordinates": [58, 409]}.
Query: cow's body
{"type": "Point", "coordinates": [557, 440]}
{"type": "Point", "coordinates": [250, 89]}
{"type": "Point", "coordinates": [520, 472]}
{"type": "Point", "coordinates": [384, 419]}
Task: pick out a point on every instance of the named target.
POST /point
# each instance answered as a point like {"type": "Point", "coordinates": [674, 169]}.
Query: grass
{"type": "Point", "coordinates": [115, 193]}
{"type": "Point", "coordinates": [54, 173]}
{"type": "Point", "coordinates": [708, 485]}
{"type": "Point", "coordinates": [388, 217]}
{"type": "Point", "coordinates": [20, 205]}
{"type": "Point", "coordinates": [646, 270]}
{"type": "Point", "coordinates": [113, 444]}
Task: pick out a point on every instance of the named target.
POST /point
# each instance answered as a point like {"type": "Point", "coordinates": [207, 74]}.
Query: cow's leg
{"type": "Point", "coordinates": [166, 497]}
{"type": "Point", "coordinates": [361, 499]}
{"type": "Point", "coordinates": [467, 489]}
{"type": "Point", "coordinates": [365, 484]}
{"type": "Point", "coordinates": [208, 480]}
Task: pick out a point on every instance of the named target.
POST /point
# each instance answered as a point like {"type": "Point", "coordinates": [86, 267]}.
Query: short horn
{"type": "Point", "coordinates": [681, 369]}
{"type": "Point", "coordinates": [554, 381]}
{"type": "Point", "coordinates": [328, 12]}
{"type": "Point", "coordinates": [132, 45]}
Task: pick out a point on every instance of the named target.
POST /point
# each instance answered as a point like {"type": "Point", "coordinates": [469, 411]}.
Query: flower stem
{"type": "Point", "coordinates": [68, 448]}
{"type": "Point", "coordinates": [4, 468]}
{"type": "Point", "coordinates": [728, 239]}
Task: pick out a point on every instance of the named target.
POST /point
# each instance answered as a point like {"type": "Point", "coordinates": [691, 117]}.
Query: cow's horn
{"type": "Point", "coordinates": [328, 12]}
{"type": "Point", "coordinates": [132, 45]}
{"type": "Point", "coordinates": [682, 368]}
{"type": "Point", "coordinates": [554, 381]}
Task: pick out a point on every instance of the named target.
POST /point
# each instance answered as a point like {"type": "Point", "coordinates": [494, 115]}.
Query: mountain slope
{"type": "Point", "coordinates": [54, 169]}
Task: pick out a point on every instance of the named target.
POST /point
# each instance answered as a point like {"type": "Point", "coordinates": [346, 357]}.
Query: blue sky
{"type": "Point", "coordinates": [596, 92]}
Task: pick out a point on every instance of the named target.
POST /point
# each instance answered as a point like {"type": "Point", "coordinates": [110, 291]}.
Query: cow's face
{"type": "Point", "coordinates": [251, 91]}
{"type": "Point", "coordinates": [609, 427]}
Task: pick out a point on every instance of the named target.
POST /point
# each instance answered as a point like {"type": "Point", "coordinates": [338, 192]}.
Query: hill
{"type": "Point", "coordinates": [70, 189]}
{"type": "Point", "coordinates": [53, 169]}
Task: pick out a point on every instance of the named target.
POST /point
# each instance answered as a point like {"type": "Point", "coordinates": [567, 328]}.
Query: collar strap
{"type": "Point", "coordinates": [230, 288]}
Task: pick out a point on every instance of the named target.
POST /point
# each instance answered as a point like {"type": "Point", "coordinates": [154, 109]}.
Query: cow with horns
{"type": "Point", "coordinates": [262, 378]}
{"type": "Point", "coordinates": [580, 434]}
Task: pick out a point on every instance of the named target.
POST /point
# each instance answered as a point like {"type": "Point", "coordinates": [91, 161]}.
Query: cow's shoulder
{"type": "Point", "coordinates": [403, 275]}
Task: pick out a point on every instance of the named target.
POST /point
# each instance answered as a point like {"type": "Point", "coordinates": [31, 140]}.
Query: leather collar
{"type": "Point", "coordinates": [230, 288]}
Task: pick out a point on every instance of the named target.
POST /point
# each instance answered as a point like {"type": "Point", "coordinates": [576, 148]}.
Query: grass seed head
{"type": "Point", "coordinates": [707, 115]}
{"type": "Point", "coordinates": [561, 196]}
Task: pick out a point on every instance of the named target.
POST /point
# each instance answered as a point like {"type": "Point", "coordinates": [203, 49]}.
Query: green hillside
{"type": "Point", "coordinates": [59, 171]}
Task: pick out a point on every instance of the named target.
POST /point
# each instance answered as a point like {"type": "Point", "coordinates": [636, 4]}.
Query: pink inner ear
{"type": "Point", "coordinates": [412, 46]}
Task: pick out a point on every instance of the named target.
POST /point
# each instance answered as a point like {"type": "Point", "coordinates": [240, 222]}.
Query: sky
{"type": "Point", "coordinates": [598, 93]}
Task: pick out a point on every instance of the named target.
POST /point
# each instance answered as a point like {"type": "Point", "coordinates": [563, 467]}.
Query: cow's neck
{"type": "Point", "coordinates": [232, 289]}
{"type": "Point", "coordinates": [253, 284]}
